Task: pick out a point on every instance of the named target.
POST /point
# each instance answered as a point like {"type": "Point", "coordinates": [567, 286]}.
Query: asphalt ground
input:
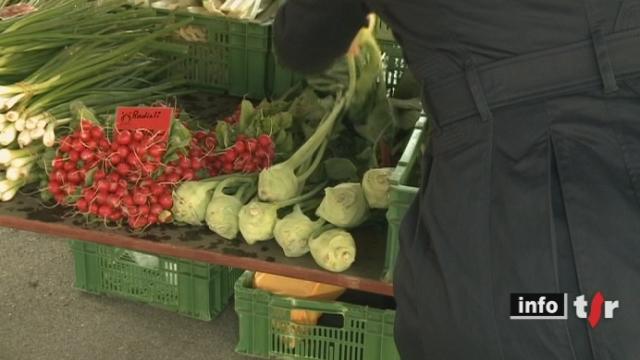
{"type": "Point", "coordinates": [43, 317]}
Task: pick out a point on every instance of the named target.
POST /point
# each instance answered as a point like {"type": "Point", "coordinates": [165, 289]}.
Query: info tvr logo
{"type": "Point", "coordinates": [554, 306]}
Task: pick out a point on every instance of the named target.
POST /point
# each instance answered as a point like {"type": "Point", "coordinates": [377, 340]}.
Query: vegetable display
{"type": "Point", "coordinates": [305, 169]}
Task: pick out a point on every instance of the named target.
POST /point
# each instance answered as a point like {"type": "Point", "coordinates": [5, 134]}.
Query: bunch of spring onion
{"type": "Point", "coordinates": [19, 168]}
{"type": "Point", "coordinates": [110, 64]}
{"type": "Point", "coordinates": [108, 58]}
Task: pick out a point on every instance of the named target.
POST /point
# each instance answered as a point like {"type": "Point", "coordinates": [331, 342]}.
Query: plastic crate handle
{"type": "Point", "coordinates": [312, 305]}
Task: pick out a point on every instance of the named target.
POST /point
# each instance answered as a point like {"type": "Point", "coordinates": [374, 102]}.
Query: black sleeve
{"type": "Point", "coordinates": [310, 34]}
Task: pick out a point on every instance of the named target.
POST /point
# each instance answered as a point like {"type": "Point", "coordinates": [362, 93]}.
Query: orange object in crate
{"type": "Point", "coordinates": [301, 289]}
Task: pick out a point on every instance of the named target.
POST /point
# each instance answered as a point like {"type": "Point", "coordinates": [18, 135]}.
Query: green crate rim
{"type": "Point", "coordinates": [254, 306]}
{"type": "Point", "coordinates": [199, 290]}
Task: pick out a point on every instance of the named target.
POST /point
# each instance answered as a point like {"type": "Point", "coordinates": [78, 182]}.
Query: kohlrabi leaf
{"type": "Point", "coordinates": [340, 169]}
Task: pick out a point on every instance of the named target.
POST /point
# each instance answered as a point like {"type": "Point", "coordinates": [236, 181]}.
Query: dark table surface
{"type": "Point", "coordinates": [198, 243]}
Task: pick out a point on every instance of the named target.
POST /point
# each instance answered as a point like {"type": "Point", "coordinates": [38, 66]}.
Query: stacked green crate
{"type": "Point", "coordinates": [194, 289]}
{"type": "Point", "coordinates": [401, 194]}
{"type": "Point", "coordinates": [267, 331]}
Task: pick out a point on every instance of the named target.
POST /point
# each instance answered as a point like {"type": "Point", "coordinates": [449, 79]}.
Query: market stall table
{"type": "Point", "coordinates": [27, 212]}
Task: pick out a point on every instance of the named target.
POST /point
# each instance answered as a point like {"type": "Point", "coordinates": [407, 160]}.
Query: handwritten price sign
{"type": "Point", "coordinates": [150, 118]}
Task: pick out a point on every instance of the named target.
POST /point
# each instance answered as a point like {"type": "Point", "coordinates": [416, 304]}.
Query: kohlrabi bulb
{"type": "Point", "coordinates": [333, 250]}
{"type": "Point", "coordinates": [375, 184]}
{"type": "Point", "coordinates": [222, 215]}
{"type": "Point", "coordinates": [278, 183]}
{"type": "Point", "coordinates": [256, 221]}
{"type": "Point", "coordinates": [293, 231]}
{"type": "Point", "coordinates": [344, 205]}
{"type": "Point", "coordinates": [190, 201]}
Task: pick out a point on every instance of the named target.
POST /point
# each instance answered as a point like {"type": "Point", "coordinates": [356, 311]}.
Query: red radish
{"type": "Point", "coordinates": [113, 187]}
{"type": "Point", "coordinates": [132, 159]}
{"type": "Point", "coordinates": [82, 205]}
{"type": "Point", "coordinates": [74, 177]}
{"type": "Point", "coordinates": [87, 155]}
{"type": "Point", "coordinates": [85, 136]}
{"type": "Point", "coordinates": [99, 175]}
{"type": "Point", "coordinates": [122, 169]}
{"type": "Point", "coordinates": [97, 132]}
{"type": "Point", "coordinates": [156, 209]}
{"type": "Point", "coordinates": [173, 178]}
{"type": "Point", "coordinates": [152, 219]}
{"type": "Point", "coordinates": [196, 164]}
{"type": "Point", "coordinates": [101, 198]}
{"type": "Point", "coordinates": [240, 146]}
{"type": "Point", "coordinates": [102, 186]}
{"type": "Point", "coordinates": [104, 145]}
{"type": "Point", "coordinates": [121, 191]}
{"type": "Point", "coordinates": [166, 201]}
{"type": "Point", "coordinates": [156, 151]}
{"type": "Point", "coordinates": [127, 200]}
{"type": "Point", "coordinates": [157, 189]}
{"type": "Point", "coordinates": [185, 163]}
{"type": "Point", "coordinates": [252, 144]}
{"type": "Point", "coordinates": [92, 144]}
{"type": "Point", "coordinates": [113, 200]}
{"type": "Point", "coordinates": [138, 135]}
{"type": "Point", "coordinates": [105, 211]}
{"type": "Point", "coordinates": [230, 155]}
{"type": "Point", "coordinates": [74, 156]}
{"type": "Point", "coordinates": [65, 145]}
{"type": "Point", "coordinates": [143, 210]}
{"type": "Point", "coordinates": [124, 137]}
{"type": "Point", "coordinates": [188, 175]}
{"type": "Point", "coordinates": [54, 187]}
{"type": "Point", "coordinates": [139, 198]}
{"type": "Point", "coordinates": [265, 140]}
{"type": "Point", "coordinates": [115, 159]}
{"type": "Point", "coordinates": [115, 216]}
{"type": "Point", "coordinates": [123, 151]}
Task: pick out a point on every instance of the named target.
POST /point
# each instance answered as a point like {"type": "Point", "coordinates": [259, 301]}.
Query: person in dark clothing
{"type": "Point", "coordinates": [532, 178]}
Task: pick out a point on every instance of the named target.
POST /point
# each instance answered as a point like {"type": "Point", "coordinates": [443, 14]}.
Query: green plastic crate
{"type": "Point", "coordinates": [401, 194]}
{"type": "Point", "coordinates": [234, 58]}
{"type": "Point", "coordinates": [382, 31]}
{"type": "Point", "coordinates": [194, 289]}
{"type": "Point", "coordinates": [228, 55]}
{"type": "Point", "coordinates": [395, 64]}
{"type": "Point", "coordinates": [266, 330]}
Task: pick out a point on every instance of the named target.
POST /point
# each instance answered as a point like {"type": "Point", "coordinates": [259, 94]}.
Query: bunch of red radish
{"type": "Point", "coordinates": [126, 179]}
{"type": "Point", "coordinates": [247, 155]}
{"type": "Point", "coordinates": [113, 180]}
